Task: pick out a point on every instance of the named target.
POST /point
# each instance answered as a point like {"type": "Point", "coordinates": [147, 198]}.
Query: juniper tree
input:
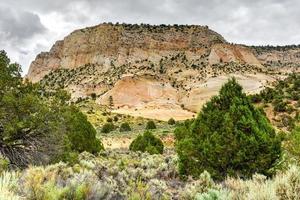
{"type": "Point", "coordinates": [147, 142]}
{"type": "Point", "coordinates": [36, 126]}
{"type": "Point", "coordinates": [229, 137]}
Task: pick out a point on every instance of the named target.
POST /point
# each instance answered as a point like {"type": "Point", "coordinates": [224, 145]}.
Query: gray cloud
{"type": "Point", "coordinates": [240, 21]}
{"type": "Point", "coordinates": [17, 26]}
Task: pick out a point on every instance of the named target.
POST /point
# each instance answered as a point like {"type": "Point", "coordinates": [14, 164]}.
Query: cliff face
{"type": "Point", "coordinates": [146, 67]}
{"type": "Point", "coordinates": [106, 43]}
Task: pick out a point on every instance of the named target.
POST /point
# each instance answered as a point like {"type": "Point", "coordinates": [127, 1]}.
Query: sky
{"type": "Point", "coordinates": [28, 27]}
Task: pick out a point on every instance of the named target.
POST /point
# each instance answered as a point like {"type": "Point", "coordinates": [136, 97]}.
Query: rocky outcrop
{"type": "Point", "coordinates": [226, 53]}
{"type": "Point", "coordinates": [45, 62]}
{"type": "Point", "coordinates": [139, 91]}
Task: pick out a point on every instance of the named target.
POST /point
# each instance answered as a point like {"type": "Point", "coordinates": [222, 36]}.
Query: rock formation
{"type": "Point", "coordinates": [145, 67]}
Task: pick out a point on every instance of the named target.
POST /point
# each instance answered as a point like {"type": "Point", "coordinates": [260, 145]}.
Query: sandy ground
{"type": "Point", "coordinates": [156, 113]}
{"type": "Point", "coordinates": [120, 142]}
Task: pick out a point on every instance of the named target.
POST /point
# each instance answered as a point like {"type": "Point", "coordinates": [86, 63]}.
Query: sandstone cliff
{"type": "Point", "coordinates": [121, 44]}
{"type": "Point", "coordinates": [106, 43]}
{"type": "Point", "coordinates": [145, 68]}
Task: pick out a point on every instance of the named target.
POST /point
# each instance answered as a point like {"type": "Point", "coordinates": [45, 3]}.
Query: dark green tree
{"type": "Point", "coordinates": [279, 105]}
{"type": "Point", "coordinates": [10, 73]}
{"type": "Point", "coordinates": [229, 137]}
{"type": "Point", "coordinates": [147, 143]}
{"type": "Point", "coordinates": [32, 132]}
{"type": "Point", "coordinates": [125, 127]}
{"type": "Point", "coordinates": [110, 101]}
{"type": "Point", "coordinates": [94, 96]}
{"type": "Point", "coordinates": [150, 125]}
{"type": "Point", "coordinates": [293, 144]}
{"type": "Point", "coordinates": [171, 121]}
{"type": "Point", "coordinates": [107, 127]}
{"type": "Point", "coordinates": [39, 127]}
{"type": "Point", "coordinates": [81, 133]}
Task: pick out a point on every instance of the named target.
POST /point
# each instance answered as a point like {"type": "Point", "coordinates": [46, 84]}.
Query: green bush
{"type": "Point", "coordinates": [255, 98]}
{"type": "Point", "coordinates": [81, 133]}
{"type": "Point", "coordinates": [147, 143]}
{"type": "Point", "coordinates": [269, 94]}
{"type": "Point", "coordinates": [295, 96]}
{"type": "Point", "coordinates": [108, 127]}
{"type": "Point", "coordinates": [150, 125]}
{"type": "Point", "coordinates": [125, 127]}
{"type": "Point", "coordinates": [4, 164]}
{"type": "Point", "coordinates": [297, 116]}
{"type": "Point", "coordinates": [109, 119]}
{"type": "Point", "coordinates": [38, 126]}
{"type": "Point", "coordinates": [94, 96]}
{"type": "Point", "coordinates": [116, 118]}
{"type": "Point", "coordinates": [230, 137]}
{"type": "Point", "coordinates": [288, 121]}
{"type": "Point", "coordinates": [171, 121]}
{"type": "Point", "coordinates": [279, 105]}
{"type": "Point", "coordinates": [293, 144]}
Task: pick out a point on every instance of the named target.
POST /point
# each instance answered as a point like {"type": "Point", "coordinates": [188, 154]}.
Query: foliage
{"type": "Point", "coordinates": [255, 98]}
{"type": "Point", "coordinates": [131, 175]}
{"type": "Point", "coordinates": [150, 125]}
{"type": "Point", "coordinates": [108, 127]}
{"type": "Point", "coordinates": [284, 89]}
{"type": "Point", "coordinates": [110, 101]}
{"type": "Point", "coordinates": [24, 138]}
{"type": "Point", "coordinates": [269, 94]}
{"type": "Point", "coordinates": [202, 185]}
{"type": "Point", "coordinates": [293, 144]}
{"type": "Point", "coordinates": [280, 106]}
{"type": "Point", "coordinates": [4, 164]}
{"type": "Point", "coordinates": [10, 73]}
{"type": "Point", "coordinates": [94, 96]}
{"type": "Point", "coordinates": [125, 127]}
{"type": "Point", "coordinates": [230, 137]}
{"type": "Point", "coordinates": [285, 185]}
{"type": "Point", "coordinates": [116, 118]}
{"type": "Point", "coordinates": [8, 185]}
{"type": "Point", "coordinates": [147, 143]}
{"type": "Point", "coordinates": [109, 119]}
{"type": "Point", "coordinates": [212, 194]}
{"type": "Point", "coordinates": [95, 178]}
{"type": "Point", "coordinates": [81, 133]}
{"type": "Point", "coordinates": [171, 121]}
{"type": "Point", "coordinates": [37, 126]}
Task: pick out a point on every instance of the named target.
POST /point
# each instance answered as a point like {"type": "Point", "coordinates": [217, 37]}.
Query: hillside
{"type": "Point", "coordinates": [285, 57]}
{"type": "Point", "coordinates": [151, 71]}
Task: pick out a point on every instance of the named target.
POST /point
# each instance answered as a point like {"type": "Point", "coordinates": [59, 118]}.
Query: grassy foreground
{"type": "Point", "coordinates": [128, 175]}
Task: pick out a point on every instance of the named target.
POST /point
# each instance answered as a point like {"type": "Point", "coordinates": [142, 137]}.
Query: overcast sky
{"type": "Point", "coordinates": [28, 27]}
